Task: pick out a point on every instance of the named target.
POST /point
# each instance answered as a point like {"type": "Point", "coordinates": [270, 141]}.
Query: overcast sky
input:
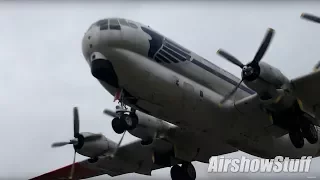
{"type": "Point", "coordinates": [43, 73]}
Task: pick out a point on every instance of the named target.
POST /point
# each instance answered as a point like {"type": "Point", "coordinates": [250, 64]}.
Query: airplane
{"type": "Point", "coordinates": [184, 108]}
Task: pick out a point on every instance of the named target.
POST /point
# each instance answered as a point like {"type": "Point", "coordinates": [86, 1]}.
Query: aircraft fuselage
{"type": "Point", "coordinates": [170, 82]}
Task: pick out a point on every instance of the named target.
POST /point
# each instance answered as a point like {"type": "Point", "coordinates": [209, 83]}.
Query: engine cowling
{"type": "Point", "coordinates": [94, 148]}
{"type": "Point", "coordinates": [272, 75]}
{"type": "Point", "coordinates": [270, 80]}
{"type": "Point", "coordinates": [148, 127]}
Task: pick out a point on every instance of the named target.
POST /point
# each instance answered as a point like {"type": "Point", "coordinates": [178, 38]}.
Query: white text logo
{"type": "Point", "coordinates": [243, 164]}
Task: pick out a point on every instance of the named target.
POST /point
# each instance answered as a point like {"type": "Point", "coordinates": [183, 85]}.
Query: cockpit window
{"type": "Point", "coordinates": [131, 24]}
{"type": "Point", "coordinates": [123, 22]}
{"type": "Point", "coordinates": [102, 22]}
{"type": "Point", "coordinates": [104, 25]}
{"type": "Point", "coordinates": [114, 24]}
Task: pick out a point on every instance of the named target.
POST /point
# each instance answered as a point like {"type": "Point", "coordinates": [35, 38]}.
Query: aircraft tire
{"type": "Point", "coordinates": [177, 173]}
{"type": "Point", "coordinates": [117, 126]}
{"type": "Point", "coordinates": [310, 133]}
{"type": "Point", "coordinates": [189, 171]}
{"type": "Point", "coordinates": [130, 122]}
{"type": "Point", "coordinates": [296, 138]}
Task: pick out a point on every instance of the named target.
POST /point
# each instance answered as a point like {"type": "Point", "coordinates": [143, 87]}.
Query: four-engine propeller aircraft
{"type": "Point", "coordinates": [184, 108]}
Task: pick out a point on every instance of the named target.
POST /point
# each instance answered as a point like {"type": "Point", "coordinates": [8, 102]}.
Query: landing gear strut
{"type": "Point", "coordinates": [186, 172]}
{"type": "Point", "coordinates": [124, 119]}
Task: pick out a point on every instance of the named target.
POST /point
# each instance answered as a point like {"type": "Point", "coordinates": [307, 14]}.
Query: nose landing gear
{"type": "Point", "coordinates": [124, 121]}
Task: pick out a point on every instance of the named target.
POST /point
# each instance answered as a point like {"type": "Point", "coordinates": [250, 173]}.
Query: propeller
{"type": "Point", "coordinates": [110, 113]}
{"type": "Point", "coordinates": [310, 17]}
{"type": "Point", "coordinates": [78, 139]}
{"type": "Point", "coordinates": [118, 145]}
{"type": "Point", "coordinates": [251, 70]}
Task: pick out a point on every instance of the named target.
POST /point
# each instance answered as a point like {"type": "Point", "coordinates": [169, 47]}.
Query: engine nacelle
{"type": "Point", "coordinates": [272, 75]}
{"type": "Point", "coordinates": [270, 79]}
{"type": "Point", "coordinates": [148, 127]}
{"type": "Point", "coordinates": [94, 148]}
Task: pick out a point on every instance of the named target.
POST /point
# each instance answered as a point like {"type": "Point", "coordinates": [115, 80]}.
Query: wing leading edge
{"type": "Point", "coordinates": [130, 158]}
{"type": "Point", "coordinates": [81, 172]}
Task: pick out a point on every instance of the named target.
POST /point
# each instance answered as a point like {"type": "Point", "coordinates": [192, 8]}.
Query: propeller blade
{"type": "Point", "coordinates": [60, 144]}
{"type": "Point", "coordinates": [72, 168]}
{"type": "Point", "coordinates": [121, 140]}
{"type": "Point", "coordinates": [231, 93]}
{"type": "Point", "coordinates": [230, 58]}
{"type": "Point", "coordinates": [264, 46]}
{"type": "Point", "coordinates": [310, 17]}
{"type": "Point", "coordinates": [76, 123]}
{"type": "Point", "coordinates": [92, 137]}
{"type": "Point", "coordinates": [118, 145]}
{"type": "Point", "coordinates": [110, 113]}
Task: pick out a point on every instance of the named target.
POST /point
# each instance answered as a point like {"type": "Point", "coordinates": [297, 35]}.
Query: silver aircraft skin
{"type": "Point", "coordinates": [177, 92]}
{"type": "Point", "coordinates": [155, 86]}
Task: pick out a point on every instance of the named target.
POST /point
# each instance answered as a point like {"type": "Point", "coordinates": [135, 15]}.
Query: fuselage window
{"type": "Point", "coordinates": [123, 22]}
{"type": "Point", "coordinates": [114, 24]}
{"type": "Point", "coordinates": [131, 24]}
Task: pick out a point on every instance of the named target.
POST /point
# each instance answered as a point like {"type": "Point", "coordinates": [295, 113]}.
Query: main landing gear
{"type": "Point", "coordinates": [298, 124]}
{"type": "Point", "coordinates": [184, 172]}
{"type": "Point", "coordinates": [304, 130]}
{"type": "Point", "coordinates": [124, 121]}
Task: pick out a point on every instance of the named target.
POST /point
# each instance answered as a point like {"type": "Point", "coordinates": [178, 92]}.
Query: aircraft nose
{"type": "Point", "coordinates": [90, 41]}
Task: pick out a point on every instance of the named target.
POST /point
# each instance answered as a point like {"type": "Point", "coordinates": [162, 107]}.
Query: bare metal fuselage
{"type": "Point", "coordinates": [186, 93]}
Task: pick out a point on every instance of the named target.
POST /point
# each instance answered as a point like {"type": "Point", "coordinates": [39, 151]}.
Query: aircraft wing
{"type": "Point", "coordinates": [307, 89]}
{"type": "Point", "coordinates": [130, 158]}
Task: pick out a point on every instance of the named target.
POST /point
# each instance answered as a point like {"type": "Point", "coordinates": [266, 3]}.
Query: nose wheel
{"type": "Point", "coordinates": [186, 172]}
{"type": "Point", "coordinates": [124, 122]}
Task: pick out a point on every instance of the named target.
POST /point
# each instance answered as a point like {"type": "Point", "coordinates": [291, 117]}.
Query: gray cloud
{"type": "Point", "coordinates": [44, 74]}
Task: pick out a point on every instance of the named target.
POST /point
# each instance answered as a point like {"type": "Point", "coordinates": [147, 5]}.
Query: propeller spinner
{"type": "Point", "coordinates": [250, 71]}
{"type": "Point", "coordinates": [78, 140]}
